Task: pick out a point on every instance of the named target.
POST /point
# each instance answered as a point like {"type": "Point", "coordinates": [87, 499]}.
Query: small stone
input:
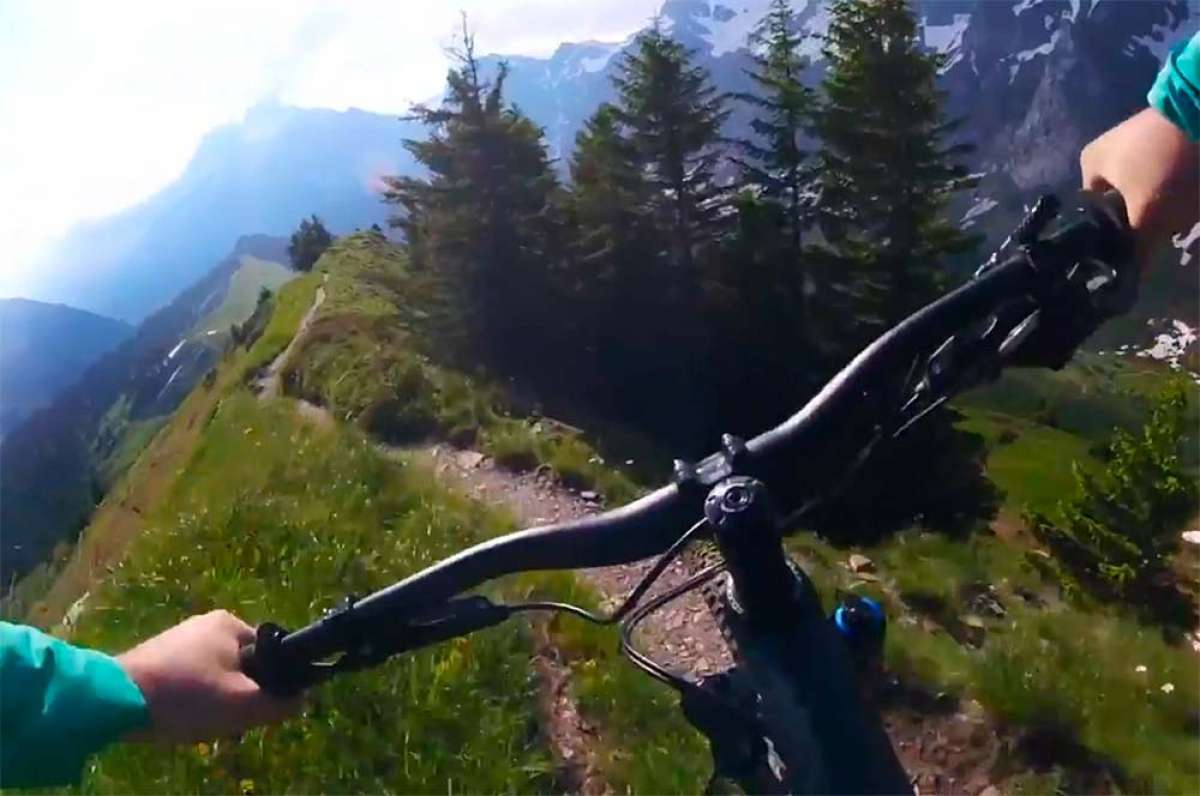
{"type": "Point", "coordinates": [970, 620]}
{"type": "Point", "coordinates": [468, 460]}
{"type": "Point", "coordinates": [860, 563]}
{"type": "Point", "coordinates": [990, 790]}
{"type": "Point", "coordinates": [590, 496]}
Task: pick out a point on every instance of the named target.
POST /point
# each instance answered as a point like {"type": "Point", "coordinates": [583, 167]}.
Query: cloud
{"type": "Point", "coordinates": [106, 102]}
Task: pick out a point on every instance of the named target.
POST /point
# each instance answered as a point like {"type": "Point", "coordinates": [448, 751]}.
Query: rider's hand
{"type": "Point", "coordinates": [190, 678]}
{"type": "Point", "coordinates": [1155, 168]}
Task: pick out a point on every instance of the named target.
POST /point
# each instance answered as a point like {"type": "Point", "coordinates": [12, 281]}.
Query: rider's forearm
{"type": "Point", "coordinates": [58, 705]}
{"type": "Point", "coordinates": [1176, 92]}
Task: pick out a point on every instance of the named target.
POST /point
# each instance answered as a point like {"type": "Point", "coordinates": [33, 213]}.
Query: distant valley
{"type": "Point", "coordinates": [67, 454]}
{"type": "Point", "coordinates": [44, 348]}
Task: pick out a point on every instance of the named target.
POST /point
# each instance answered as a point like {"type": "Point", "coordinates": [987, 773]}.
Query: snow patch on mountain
{"type": "Point", "coordinates": [1185, 243]}
{"type": "Point", "coordinates": [1025, 56]}
{"type": "Point", "coordinates": [731, 27]}
{"type": "Point", "coordinates": [1080, 9]}
{"type": "Point", "coordinates": [815, 27]}
{"type": "Point", "coordinates": [1173, 341]}
{"type": "Point", "coordinates": [1158, 41]}
{"type": "Point", "coordinates": [981, 206]}
{"type": "Point", "coordinates": [1171, 344]}
{"type": "Point", "coordinates": [944, 38]}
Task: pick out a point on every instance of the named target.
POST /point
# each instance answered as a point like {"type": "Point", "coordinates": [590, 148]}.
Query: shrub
{"type": "Point", "coordinates": [512, 445]}
{"type": "Point", "coordinates": [308, 243]}
{"type": "Point", "coordinates": [1115, 537]}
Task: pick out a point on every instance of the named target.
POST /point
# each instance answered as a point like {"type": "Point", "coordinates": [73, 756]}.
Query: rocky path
{"type": "Point", "coordinates": [683, 634]}
{"type": "Point", "coordinates": [267, 385]}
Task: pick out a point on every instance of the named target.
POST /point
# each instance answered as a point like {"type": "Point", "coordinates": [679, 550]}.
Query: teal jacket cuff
{"type": "Point", "coordinates": [58, 705]}
{"type": "Point", "coordinates": [1176, 92]}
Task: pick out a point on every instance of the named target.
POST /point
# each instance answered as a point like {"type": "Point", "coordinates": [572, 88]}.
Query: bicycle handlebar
{"type": "Point", "coordinates": [1042, 285]}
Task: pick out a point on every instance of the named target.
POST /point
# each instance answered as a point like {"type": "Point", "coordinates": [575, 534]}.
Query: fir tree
{"type": "Point", "coordinates": [1116, 538]}
{"type": "Point", "coordinates": [308, 243]}
{"type": "Point", "coordinates": [774, 163]}
{"type": "Point", "coordinates": [885, 169]}
{"type": "Point", "coordinates": [612, 269]}
{"type": "Point", "coordinates": [481, 219]}
{"type": "Point", "coordinates": [672, 116]}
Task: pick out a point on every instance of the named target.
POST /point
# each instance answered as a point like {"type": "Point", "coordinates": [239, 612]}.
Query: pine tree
{"type": "Point", "coordinates": [1116, 537]}
{"type": "Point", "coordinates": [308, 243]}
{"type": "Point", "coordinates": [608, 193]}
{"type": "Point", "coordinates": [481, 219]}
{"type": "Point", "coordinates": [885, 169]}
{"type": "Point", "coordinates": [672, 116]}
{"type": "Point", "coordinates": [885, 172]}
{"type": "Point", "coordinates": [783, 105]}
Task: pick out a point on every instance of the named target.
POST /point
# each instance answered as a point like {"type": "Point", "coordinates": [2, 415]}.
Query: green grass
{"type": "Point", "coordinates": [366, 360]}
{"type": "Point", "coordinates": [276, 519]}
{"type": "Point", "coordinates": [645, 746]}
{"type": "Point", "coordinates": [252, 275]}
{"type": "Point", "coordinates": [1030, 462]}
{"type": "Point", "coordinates": [133, 441]}
{"type": "Point", "coordinates": [291, 303]}
{"type": "Point", "coordinates": [1062, 668]}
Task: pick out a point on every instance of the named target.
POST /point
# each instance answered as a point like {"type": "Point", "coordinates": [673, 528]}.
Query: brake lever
{"type": "Point", "coordinates": [1075, 293]}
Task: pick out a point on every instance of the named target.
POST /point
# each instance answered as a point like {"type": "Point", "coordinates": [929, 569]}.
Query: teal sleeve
{"type": "Point", "coordinates": [58, 705]}
{"type": "Point", "coordinates": [1176, 92]}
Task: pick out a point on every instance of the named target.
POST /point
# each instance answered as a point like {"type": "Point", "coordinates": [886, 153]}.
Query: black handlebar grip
{"type": "Point", "coordinates": [265, 662]}
{"type": "Point", "coordinates": [1109, 212]}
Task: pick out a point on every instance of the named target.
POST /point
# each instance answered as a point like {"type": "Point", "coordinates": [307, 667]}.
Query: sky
{"type": "Point", "coordinates": [103, 103]}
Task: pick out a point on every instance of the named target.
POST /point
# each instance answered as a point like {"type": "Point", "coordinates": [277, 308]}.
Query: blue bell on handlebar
{"type": "Point", "coordinates": [861, 623]}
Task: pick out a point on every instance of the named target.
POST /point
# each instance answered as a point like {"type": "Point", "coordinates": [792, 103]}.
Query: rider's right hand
{"type": "Point", "coordinates": [1155, 168]}
{"type": "Point", "coordinates": [193, 684]}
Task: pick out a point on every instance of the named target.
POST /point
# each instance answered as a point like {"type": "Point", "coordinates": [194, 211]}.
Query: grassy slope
{"type": "Point", "coordinates": [1055, 668]}
{"type": "Point", "coordinates": [121, 517]}
{"type": "Point", "coordinates": [1038, 423]}
{"type": "Point", "coordinates": [251, 276]}
{"type": "Point", "coordinates": [366, 360]}
{"type": "Point", "coordinates": [276, 518]}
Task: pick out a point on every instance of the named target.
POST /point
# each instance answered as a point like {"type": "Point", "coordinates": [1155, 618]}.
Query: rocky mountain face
{"type": "Point", "coordinates": [1031, 80]}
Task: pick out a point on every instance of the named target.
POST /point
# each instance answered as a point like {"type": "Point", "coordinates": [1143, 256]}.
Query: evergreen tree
{"type": "Point", "coordinates": [885, 169]}
{"type": "Point", "coordinates": [608, 193]}
{"type": "Point", "coordinates": [612, 267]}
{"type": "Point", "coordinates": [308, 243]}
{"type": "Point", "coordinates": [672, 116]}
{"type": "Point", "coordinates": [885, 172]}
{"type": "Point", "coordinates": [1116, 538]}
{"type": "Point", "coordinates": [481, 220]}
{"type": "Point", "coordinates": [774, 164]}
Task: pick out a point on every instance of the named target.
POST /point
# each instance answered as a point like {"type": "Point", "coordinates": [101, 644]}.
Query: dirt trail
{"type": "Point", "coordinates": [268, 384]}
{"type": "Point", "coordinates": [683, 634]}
